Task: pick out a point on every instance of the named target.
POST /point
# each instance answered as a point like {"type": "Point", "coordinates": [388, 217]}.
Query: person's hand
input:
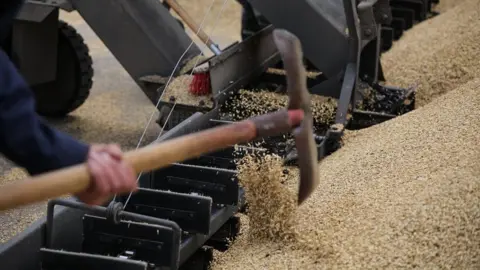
{"type": "Point", "coordinates": [110, 174]}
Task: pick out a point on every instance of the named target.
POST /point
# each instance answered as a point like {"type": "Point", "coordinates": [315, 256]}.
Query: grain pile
{"type": "Point", "coordinates": [251, 103]}
{"type": "Point", "coordinates": [402, 194]}
{"type": "Point", "coordinates": [179, 89]}
{"type": "Point", "coordinates": [439, 54]}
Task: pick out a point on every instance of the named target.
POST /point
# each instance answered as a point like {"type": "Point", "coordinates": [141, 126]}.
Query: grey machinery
{"type": "Point", "coordinates": [147, 40]}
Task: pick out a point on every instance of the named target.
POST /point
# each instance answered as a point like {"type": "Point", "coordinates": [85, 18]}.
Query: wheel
{"type": "Point", "coordinates": [73, 78]}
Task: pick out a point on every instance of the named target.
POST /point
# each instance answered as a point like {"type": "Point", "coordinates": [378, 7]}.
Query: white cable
{"type": "Point", "coordinates": [171, 75]}
{"type": "Point", "coordinates": [166, 86]}
{"type": "Point", "coordinates": [194, 66]}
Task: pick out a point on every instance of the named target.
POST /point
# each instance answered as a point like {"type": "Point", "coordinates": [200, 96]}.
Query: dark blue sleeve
{"type": "Point", "coordinates": [24, 137]}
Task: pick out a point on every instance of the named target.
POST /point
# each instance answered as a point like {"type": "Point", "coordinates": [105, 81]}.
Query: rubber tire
{"type": "Point", "coordinates": [73, 79]}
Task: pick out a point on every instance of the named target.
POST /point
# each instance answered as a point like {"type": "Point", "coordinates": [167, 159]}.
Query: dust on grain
{"type": "Point", "coordinates": [439, 54]}
{"type": "Point", "coordinates": [179, 89]}
{"type": "Point", "coordinates": [402, 194]}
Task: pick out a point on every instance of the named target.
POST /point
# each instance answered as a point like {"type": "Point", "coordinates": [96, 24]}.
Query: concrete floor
{"type": "Point", "coordinates": [117, 110]}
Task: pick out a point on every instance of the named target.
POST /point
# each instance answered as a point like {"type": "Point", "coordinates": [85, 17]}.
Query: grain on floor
{"type": "Point", "coordinates": [445, 5]}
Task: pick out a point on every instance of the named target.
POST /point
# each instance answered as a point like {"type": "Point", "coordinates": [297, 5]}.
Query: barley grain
{"type": "Point", "coordinates": [402, 194]}
{"type": "Point", "coordinates": [270, 205]}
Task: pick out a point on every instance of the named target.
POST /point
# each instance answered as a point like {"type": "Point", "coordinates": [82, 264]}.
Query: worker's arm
{"type": "Point", "coordinates": [29, 142]}
{"type": "Point", "coordinates": [24, 137]}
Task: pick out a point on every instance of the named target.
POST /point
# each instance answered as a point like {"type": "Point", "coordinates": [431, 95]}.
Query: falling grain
{"type": "Point", "coordinates": [439, 54]}
{"type": "Point", "coordinates": [270, 205]}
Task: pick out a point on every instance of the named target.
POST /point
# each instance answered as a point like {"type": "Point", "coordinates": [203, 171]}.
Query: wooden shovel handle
{"type": "Point", "coordinates": [190, 22]}
{"type": "Point", "coordinates": [75, 179]}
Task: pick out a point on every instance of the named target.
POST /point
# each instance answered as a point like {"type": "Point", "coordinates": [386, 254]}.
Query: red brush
{"type": "Point", "coordinates": [200, 85]}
